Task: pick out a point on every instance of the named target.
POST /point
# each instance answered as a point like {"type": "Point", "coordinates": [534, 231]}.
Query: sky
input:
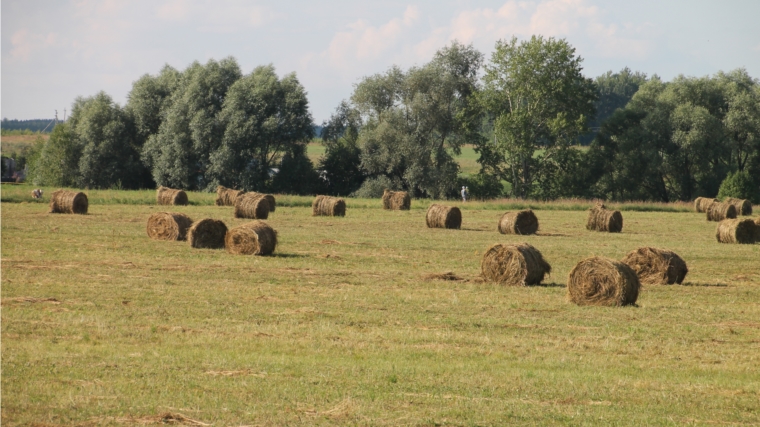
{"type": "Point", "coordinates": [55, 51]}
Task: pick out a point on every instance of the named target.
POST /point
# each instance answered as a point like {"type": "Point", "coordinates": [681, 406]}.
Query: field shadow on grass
{"type": "Point", "coordinates": [711, 285]}
{"type": "Point", "coordinates": [281, 255]}
{"type": "Point", "coordinates": [550, 285]}
{"type": "Point", "coordinates": [475, 229]}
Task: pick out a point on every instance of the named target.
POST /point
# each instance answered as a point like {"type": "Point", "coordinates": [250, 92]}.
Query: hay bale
{"type": "Point", "coordinates": [70, 202]}
{"type": "Point", "coordinates": [602, 281]}
{"type": "Point", "coordinates": [602, 219]}
{"type": "Point", "coordinates": [514, 265]}
{"type": "Point", "coordinates": [743, 206]}
{"type": "Point", "coordinates": [701, 204]}
{"type": "Point", "coordinates": [270, 199]}
{"type": "Point", "coordinates": [656, 266]}
{"type": "Point", "coordinates": [757, 229]}
{"type": "Point", "coordinates": [252, 238]}
{"type": "Point", "coordinates": [736, 231]}
{"type": "Point", "coordinates": [520, 222]}
{"type": "Point", "coordinates": [251, 205]}
{"type": "Point", "coordinates": [168, 226]}
{"type": "Point", "coordinates": [207, 234]}
{"type": "Point", "coordinates": [170, 196]}
{"type": "Point", "coordinates": [328, 206]}
{"type": "Point", "coordinates": [721, 211]}
{"type": "Point", "coordinates": [396, 200]}
{"type": "Point", "coordinates": [226, 196]}
{"type": "Point", "coordinates": [439, 216]}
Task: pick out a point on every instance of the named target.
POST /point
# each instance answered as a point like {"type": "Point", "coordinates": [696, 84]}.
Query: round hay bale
{"type": "Point", "coordinates": [757, 229]}
{"type": "Point", "coordinates": [701, 204]}
{"type": "Point", "coordinates": [252, 238]}
{"type": "Point", "coordinates": [520, 222]}
{"type": "Point", "coordinates": [70, 202]}
{"type": "Point", "coordinates": [514, 265]}
{"type": "Point", "coordinates": [602, 281]}
{"type": "Point", "coordinates": [170, 196]}
{"type": "Point", "coordinates": [168, 226]}
{"type": "Point", "coordinates": [439, 216]}
{"type": "Point", "coordinates": [328, 206]}
{"type": "Point", "coordinates": [743, 206]}
{"type": "Point", "coordinates": [251, 205]}
{"type": "Point", "coordinates": [207, 234]}
{"type": "Point", "coordinates": [656, 266]}
{"type": "Point", "coordinates": [602, 219]}
{"type": "Point", "coordinates": [272, 202]}
{"type": "Point", "coordinates": [721, 211]}
{"type": "Point", "coordinates": [736, 231]}
{"type": "Point", "coordinates": [396, 200]}
{"type": "Point", "coordinates": [226, 196]}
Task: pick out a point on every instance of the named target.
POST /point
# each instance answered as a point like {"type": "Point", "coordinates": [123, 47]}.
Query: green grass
{"type": "Point", "coordinates": [341, 328]}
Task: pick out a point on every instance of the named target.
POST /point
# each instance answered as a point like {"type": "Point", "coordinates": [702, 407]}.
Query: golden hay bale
{"type": "Point", "coordinates": [602, 281]}
{"type": "Point", "coordinates": [743, 206]}
{"type": "Point", "coordinates": [396, 200]}
{"type": "Point", "coordinates": [168, 226]}
{"type": "Point", "coordinates": [251, 205]}
{"type": "Point", "coordinates": [602, 219]}
{"type": "Point", "coordinates": [520, 222]}
{"type": "Point", "coordinates": [207, 233]}
{"type": "Point", "coordinates": [270, 200]}
{"type": "Point", "coordinates": [226, 196]}
{"type": "Point", "coordinates": [757, 229]}
{"type": "Point", "coordinates": [656, 266]}
{"type": "Point", "coordinates": [328, 206]}
{"type": "Point", "coordinates": [514, 265]}
{"type": "Point", "coordinates": [721, 211]}
{"type": "Point", "coordinates": [736, 231]}
{"type": "Point", "coordinates": [170, 196]}
{"type": "Point", "coordinates": [701, 204]}
{"type": "Point", "coordinates": [72, 202]}
{"type": "Point", "coordinates": [439, 216]}
{"type": "Point", "coordinates": [252, 238]}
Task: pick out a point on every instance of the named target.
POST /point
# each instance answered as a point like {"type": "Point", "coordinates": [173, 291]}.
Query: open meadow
{"type": "Point", "coordinates": [103, 326]}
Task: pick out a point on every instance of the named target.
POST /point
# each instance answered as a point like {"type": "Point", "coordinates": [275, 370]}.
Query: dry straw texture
{"type": "Point", "coordinates": [602, 219]}
{"type": "Point", "coordinates": [602, 281]}
{"type": "Point", "coordinates": [226, 196]}
{"type": "Point", "coordinates": [71, 202]}
{"type": "Point", "coordinates": [207, 234]}
{"type": "Point", "coordinates": [743, 207]}
{"type": "Point", "coordinates": [170, 196]}
{"type": "Point", "coordinates": [396, 200]}
{"type": "Point", "coordinates": [443, 217]}
{"type": "Point", "coordinates": [721, 211]}
{"type": "Point", "coordinates": [252, 205]}
{"type": "Point", "coordinates": [168, 226]}
{"type": "Point", "coordinates": [701, 204]}
{"type": "Point", "coordinates": [514, 265]}
{"type": "Point", "coordinates": [657, 266]}
{"type": "Point", "coordinates": [252, 238]}
{"type": "Point", "coordinates": [521, 222]}
{"type": "Point", "coordinates": [328, 206]}
{"type": "Point", "coordinates": [736, 231]}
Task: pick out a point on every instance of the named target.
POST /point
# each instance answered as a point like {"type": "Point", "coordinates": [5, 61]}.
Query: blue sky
{"type": "Point", "coordinates": [54, 51]}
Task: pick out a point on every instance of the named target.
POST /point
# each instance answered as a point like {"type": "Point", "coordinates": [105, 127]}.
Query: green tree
{"type": "Point", "coordinates": [341, 164]}
{"type": "Point", "coordinates": [740, 185]}
{"type": "Point", "coordinates": [149, 100]}
{"type": "Point", "coordinates": [55, 163]}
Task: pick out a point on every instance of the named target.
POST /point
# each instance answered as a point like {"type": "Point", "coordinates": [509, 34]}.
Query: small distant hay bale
{"type": "Point", "coordinates": [743, 206]}
{"type": "Point", "coordinates": [226, 196]}
{"type": "Point", "coordinates": [396, 200]}
{"type": "Point", "coordinates": [656, 266]}
{"type": "Point", "coordinates": [69, 202]}
{"type": "Point", "coordinates": [439, 216]}
{"type": "Point", "coordinates": [514, 265]}
{"type": "Point", "coordinates": [252, 238]}
{"type": "Point", "coordinates": [170, 196]}
{"type": "Point", "coordinates": [520, 222]}
{"type": "Point", "coordinates": [252, 205]}
{"type": "Point", "coordinates": [736, 231]}
{"type": "Point", "coordinates": [602, 219]}
{"type": "Point", "coordinates": [721, 211]}
{"type": "Point", "coordinates": [207, 234]}
{"type": "Point", "coordinates": [602, 281]}
{"type": "Point", "coordinates": [328, 206]}
{"type": "Point", "coordinates": [168, 226]}
{"type": "Point", "coordinates": [701, 204]}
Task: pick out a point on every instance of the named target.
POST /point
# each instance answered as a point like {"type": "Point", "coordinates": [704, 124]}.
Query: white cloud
{"type": "Point", "coordinates": [25, 44]}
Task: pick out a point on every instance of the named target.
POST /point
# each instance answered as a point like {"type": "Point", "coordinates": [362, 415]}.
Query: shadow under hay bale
{"type": "Point", "coordinates": [439, 216]}
{"type": "Point", "coordinates": [514, 265]}
{"type": "Point", "coordinates": [226, 196]}
{"type": "Point", "coordinates": [170, 196]}
{"type": "Point", "coordinates": [252, 206]}
{"type": "Point", "coordinates": [520, 222]}
{"type": "Point", "coordinates": [252, 238]}
{"type": "Point", "coordinates": [449, 275]}
{"type": "Point", "coordinates": [701, 204]}
{"type": "Point", "coordinates": [68, 202]}
{"type": "Point", "coordinates": [743, 206]}
{"type": "Point", "coordinates": [396, 200]}
{"type": "Point", "coordinates": [721, 211]}
{"type": "Point", "coordinates": [168, 226]}
{"type": "Point", "coordinates": [602, 219]}
{"type": "Point", "coordinates": [736, 231]}
{"type": "Point", "coordinates": [207, 234]}
{"type": "Point", "coordinates": [656, 266]}
{"type": "Point", "coordinates": [328, 206]}
{"type": "Point", "coordinates": [602, 281]}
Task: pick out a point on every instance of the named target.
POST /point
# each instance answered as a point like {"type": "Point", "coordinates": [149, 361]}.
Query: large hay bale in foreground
{"type": "Point", "coordinates": [736, 231]}
{"type": "Point", "coordinates": [252, 238]}
{"type": "Point", "coordinates": [721, 211]}
{"type": "Point", "coordinates": [439, 216]}
{"type": "Point", "coordinates": [743, 206]}
{"type": "Point", "coordinates": [514, 265]}
{"type": "Point", "coordinates": [328, 206]}
{"type": "Point", "coordinates": [602, 281]}
{"type": "Point", "coordinates": [207, 234]}
{"type": "Point", "coordinates": [226, 196]}
{"type": "Point", "coordinates": [168, 226]}
{"type": "Point", "coordinates": [602, 219]}
{"type": "Point", "coordinates": [396, 200]}
{"type": "Point", "coordinates": [170, 196]}
{"type": "Point", "coordinates": [656, 266]}
{"type": "Point", "coordinates": [701, 204]}
{"type": "Point", "coordinates": [520, 222]}
{"type": "Point", "coordinates": [71, 202]}
{"type": "Point", "coordinates": [251, 205]}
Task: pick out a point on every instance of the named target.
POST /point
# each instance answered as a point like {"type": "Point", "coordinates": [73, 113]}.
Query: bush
{"type": "Point", "coordinates": [372, 188]}
{"type": "Point", "coordinates": [480, 187]}
{"type": "Point", "coordinates": [741, 186]}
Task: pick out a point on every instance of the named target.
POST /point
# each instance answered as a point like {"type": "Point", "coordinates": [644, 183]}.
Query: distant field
{"type": "Point", "coordinates": [16, 143]}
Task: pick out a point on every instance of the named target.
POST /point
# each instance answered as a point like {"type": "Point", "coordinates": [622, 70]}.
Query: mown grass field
{"type": "Point", "coordinates": [103, 326]}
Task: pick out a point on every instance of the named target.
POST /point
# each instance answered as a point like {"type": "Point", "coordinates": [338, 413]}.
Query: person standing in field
{"type": "Point", "coordinates": [464, 193]}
